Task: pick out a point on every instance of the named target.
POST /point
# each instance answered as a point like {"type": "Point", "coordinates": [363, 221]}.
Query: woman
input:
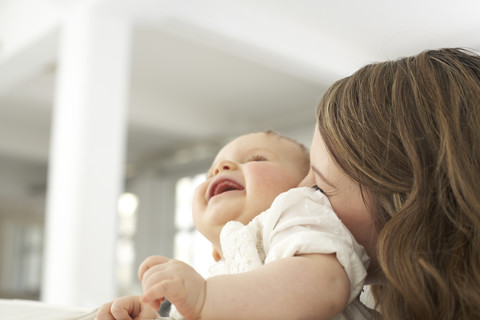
{"type": "Point", "coordinates": [397, 151]}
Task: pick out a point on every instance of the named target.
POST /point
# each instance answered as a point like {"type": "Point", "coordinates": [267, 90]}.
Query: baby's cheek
{"type": "Point", "coordinates": [199, 201]}
{"type": "Point", "coordinates": [280, 181]}
{"type": "Point", "coordinates": [271, 183]}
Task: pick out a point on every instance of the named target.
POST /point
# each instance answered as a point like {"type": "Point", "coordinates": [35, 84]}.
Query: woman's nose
{"type": "Point", "coordinates": [308, 181]}
{"type": "Point", "coordinates": [223, 166]}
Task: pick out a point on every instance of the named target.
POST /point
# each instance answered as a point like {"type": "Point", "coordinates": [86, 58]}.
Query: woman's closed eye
{"type": "Point", "coordinates": [317, 188]}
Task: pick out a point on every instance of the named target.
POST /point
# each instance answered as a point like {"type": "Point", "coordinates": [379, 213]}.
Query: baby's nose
{"type": "Point", "coordinates": [223, 166]}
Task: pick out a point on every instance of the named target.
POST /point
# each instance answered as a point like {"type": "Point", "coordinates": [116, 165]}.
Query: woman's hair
{"type": "Point", "coordinates": [408, 131]}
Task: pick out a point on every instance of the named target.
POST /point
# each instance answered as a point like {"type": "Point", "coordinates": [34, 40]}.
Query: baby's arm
{"type": "Point", "coordinates": [312, 286]}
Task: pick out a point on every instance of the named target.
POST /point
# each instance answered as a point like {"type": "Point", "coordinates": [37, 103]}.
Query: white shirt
{"type": "Point", "coordinates": [300, 221]}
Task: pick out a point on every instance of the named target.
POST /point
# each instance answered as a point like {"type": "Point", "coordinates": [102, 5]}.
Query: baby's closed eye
{"type": "Point", "coordinates": [256, 157]}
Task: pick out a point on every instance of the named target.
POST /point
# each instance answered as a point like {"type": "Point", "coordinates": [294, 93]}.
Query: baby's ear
{"type": "Point", "coordinates": [215, 255]}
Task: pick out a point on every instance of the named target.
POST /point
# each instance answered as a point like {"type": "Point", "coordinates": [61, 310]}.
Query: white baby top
{"type": "Point", "coordinates": [300, 221]}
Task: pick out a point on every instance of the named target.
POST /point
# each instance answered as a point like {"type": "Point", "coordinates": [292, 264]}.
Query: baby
{"type": "Point", "coordinates": [282, 252]}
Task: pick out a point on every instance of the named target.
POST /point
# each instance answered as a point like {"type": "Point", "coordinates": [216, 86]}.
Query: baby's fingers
{"type": "Point", "coordinates": [156, 293]}
{"type": "Point", "coordinates": [154, 304]}
{"type": "Point", "coordinates": [149, 263]}
{"type": "Point", "coordinates": [125, 308]}
{"type": "Point", "coordinates": [103, 312]}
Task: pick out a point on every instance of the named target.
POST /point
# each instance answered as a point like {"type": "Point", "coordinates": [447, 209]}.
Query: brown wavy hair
{"type": "Point", "coordinates": [408, 131]}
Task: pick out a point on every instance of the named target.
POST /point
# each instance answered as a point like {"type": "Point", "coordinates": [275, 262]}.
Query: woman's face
{"type": "Point", "coordinates": [345, 196]}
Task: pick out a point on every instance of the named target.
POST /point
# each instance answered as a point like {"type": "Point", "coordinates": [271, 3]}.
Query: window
{"type": "Point", "coordinates": [21, 255]}
{"type": "Point", "coordinates": [190, 246]}
{"type": "Point", "coordinates": [127, 220]}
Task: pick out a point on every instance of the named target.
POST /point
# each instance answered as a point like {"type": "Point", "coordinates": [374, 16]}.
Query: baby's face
{"type": "Point", "coordinates": [246, 176]}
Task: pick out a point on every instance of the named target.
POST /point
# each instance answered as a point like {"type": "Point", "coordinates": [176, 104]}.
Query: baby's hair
{"type": "Point", "coordinates": [305, 151]}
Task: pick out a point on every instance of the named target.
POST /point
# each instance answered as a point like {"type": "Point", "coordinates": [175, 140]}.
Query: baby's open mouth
{"type": "Point", "coordinates": [223, 185]}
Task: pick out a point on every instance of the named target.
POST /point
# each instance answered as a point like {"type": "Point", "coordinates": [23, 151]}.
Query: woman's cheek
{"type": "Point", "coordinates": [356, 217]}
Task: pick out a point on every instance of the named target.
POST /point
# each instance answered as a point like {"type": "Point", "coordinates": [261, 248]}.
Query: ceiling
{"type": "Point", "coordinates": [209, 69]}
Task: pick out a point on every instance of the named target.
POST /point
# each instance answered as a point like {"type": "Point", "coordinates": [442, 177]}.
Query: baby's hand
{"type": "Point", "coordinates": [126, 308]}
{"type": "Point", "coordinates": [184, 287]}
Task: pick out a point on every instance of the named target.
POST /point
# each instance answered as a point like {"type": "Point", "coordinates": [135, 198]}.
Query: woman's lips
{"type": "Point", "coordinates": [221, 185]}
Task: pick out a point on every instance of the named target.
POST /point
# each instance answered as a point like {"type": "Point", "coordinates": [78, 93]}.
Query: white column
{"type": "Point", "coordinates": [86, 159]}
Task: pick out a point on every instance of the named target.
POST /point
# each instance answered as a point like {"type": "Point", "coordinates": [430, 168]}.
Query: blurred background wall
{"type": "Point", "coordinates": [111, 111]}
